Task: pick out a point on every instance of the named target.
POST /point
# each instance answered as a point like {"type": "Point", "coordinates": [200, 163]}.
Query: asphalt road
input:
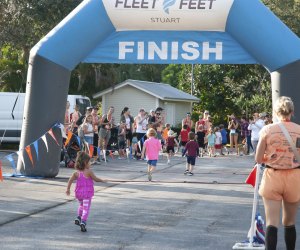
{"type": "Point", "coordinates": [210, 210]}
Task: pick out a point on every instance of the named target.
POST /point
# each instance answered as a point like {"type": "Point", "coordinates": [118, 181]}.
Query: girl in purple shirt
{"type": "Point", "coordinates": [84, 190]}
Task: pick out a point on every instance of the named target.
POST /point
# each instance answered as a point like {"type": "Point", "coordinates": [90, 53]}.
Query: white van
{"type": "Point", "coordinates": [11, 113]}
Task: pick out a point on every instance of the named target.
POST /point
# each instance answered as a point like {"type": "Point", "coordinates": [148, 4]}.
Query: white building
{"type": "Point", "coordinates": [136, 94]}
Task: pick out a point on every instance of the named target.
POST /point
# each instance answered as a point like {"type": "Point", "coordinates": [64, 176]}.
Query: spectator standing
{"type": "Point", "coordinates": [199, 123]}
{"type": "Point", "coordinates": [187, 121]}
{"type": "Point", "coordinates": [233, 134]}
{"type": "Point", "coordinates": [67, 121]}
{"type": "Point", "coordinates": [151, 119]}
{"type": "Point", "coordinates": [129, 121]}
{"type": "Point", "coordinates": [95, 123]}
{"type": "Point", "coordinates": [88, 111]}
{"type": "Point", "coordinates": [280, 185]}
{"type": "Point", "coordinates": [159, 122]}
{"type": "Point", "coordinates": [255, 126]}
{"type": "Point", "coordinates": [141, 122]}
{"type": "Point", "coordinates": [106, 124]}
{"type": "Point", "coordinates": [75, 117]}
{"type": "Point", "coordinates": [207, 123]}
{"type": "Point", "coordinates": [224, 138]}
{"type": "Point", "coordinates": [88, 130]}
{"type": "Point", "coordinates": [246, 134]}
{"type": "Point", "coordinates": [122, 140]}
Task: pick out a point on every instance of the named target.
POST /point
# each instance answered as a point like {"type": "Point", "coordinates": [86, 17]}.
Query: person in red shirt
{"type": "Point", "coordinates": [192, 151]}
{"type": "Point", "coordinates": [200, 123]}
{"type": "Point", "coordinates": [183, 137]}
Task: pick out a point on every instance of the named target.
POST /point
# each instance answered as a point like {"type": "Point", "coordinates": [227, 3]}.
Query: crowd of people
{"type": "Point", "coordinates": [239, 136]}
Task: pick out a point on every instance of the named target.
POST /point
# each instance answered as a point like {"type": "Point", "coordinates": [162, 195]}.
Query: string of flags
{"type": "Point", "coordinates": [33, 148]}
{"type": "Point", "coordinates": [28, 149]}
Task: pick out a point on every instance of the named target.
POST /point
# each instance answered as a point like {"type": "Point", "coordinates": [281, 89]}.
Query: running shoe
{"type": "Point", "coordinates": [191, 173]}
{"type": "Point", "coordinates": [186, 172]}
{"type": "Point", "coordinates": [149, 176]}
{"type": "Point", "coordinates": [83, 226]}
{"type": "Point", "coordinates": [77, 221]}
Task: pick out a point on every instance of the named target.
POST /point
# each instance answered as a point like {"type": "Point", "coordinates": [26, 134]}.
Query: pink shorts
{"type": "Point", "coordinates": [218, 146]}
{"type": "Point", "coordinates": [281, 185]}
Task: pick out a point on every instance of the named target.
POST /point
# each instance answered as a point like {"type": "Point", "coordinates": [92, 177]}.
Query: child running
{"type": "Point", "coordinates": [192, 151]}
{"type": "Point", "coordinates": [170, 144]}
{"type": "Point", "coordinates": [152, 146]}
{"type": "Point", "coordinates": [84, 190]}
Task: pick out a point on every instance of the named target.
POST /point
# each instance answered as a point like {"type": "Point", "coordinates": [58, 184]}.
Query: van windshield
{"type": "Point", "coordinates": [83, 104]}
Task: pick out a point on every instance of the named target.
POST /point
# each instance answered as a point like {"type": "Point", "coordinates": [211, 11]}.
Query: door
{"type": "Point", "coordinates": [170, 113]}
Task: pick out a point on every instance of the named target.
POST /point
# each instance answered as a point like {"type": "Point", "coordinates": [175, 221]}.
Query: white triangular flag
{"type": "Point", "coordinates": [20, 154]}
{"type": "Point", "coordinates": [45, 141]}
{"type": "Point", "coordinates": [62, 129]}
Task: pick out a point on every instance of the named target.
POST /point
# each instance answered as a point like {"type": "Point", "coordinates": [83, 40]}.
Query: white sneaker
{"type": "Point", "coordinates": [168, 162]}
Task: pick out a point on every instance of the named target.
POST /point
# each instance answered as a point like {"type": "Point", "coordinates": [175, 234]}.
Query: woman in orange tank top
{"type": "Point", "coordinates": [280, 185]}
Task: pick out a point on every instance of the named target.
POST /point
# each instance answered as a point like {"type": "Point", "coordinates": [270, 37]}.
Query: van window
{"type": "Point", "coordinates": [83, 104]}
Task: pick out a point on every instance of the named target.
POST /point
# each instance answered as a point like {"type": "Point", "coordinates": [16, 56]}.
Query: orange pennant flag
{"type": "Point", "coordinates": [1, 175]}
{"type": "Point", "coordinates": [53, 136]}
{"type": "Point", "coordinates": [91, 148]}
{"type": "Point", "coordinates": [28, 150]}
{"type": "Point", "coordinates": [68, 137]}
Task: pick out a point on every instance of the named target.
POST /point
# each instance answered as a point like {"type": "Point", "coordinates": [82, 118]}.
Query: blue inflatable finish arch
{"type": "Point", "coordinates": [158, 32]}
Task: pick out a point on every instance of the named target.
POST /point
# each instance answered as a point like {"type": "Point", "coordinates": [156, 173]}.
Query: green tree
{"type": "Point", "coordinates": [22, 24]}
{"type": "Point", "coordinates": [288, 11]}
{"type": "Point", "coordinates": [226, 89]}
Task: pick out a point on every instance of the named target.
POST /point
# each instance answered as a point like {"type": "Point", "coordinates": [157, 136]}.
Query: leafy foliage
{"type": "Point", "coordinates": [222, 89]}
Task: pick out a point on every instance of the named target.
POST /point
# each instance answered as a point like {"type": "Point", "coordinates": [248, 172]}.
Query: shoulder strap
{"type": "Point", "coordinates": [290, 140]}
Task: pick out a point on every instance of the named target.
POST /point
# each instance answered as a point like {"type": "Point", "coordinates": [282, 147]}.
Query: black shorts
{"type": "Point", "coordinates": [121, 144]}
{"type": "Point", "coordinates": [129, 135]}
{"type": "Point", "coordinates": [191, 160]}
{"type": "Point", "coordinates": [183, 143]}
{"type": "Point", "coordinates": [201, 144]}
{"type": "Point", "coordinates": [170, 148]}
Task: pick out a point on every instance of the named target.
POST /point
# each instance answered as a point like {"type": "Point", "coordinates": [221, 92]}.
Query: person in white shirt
{"type": "Point", "coordinates": [218, 142]}
{"type": "Point", "coordinates": [255, 126]}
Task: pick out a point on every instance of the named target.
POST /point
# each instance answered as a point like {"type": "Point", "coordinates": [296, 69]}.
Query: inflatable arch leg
{"type": "Point", "coordinates": [45, 102]}
{"type": "Point", "coordinates": [286, 82]}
